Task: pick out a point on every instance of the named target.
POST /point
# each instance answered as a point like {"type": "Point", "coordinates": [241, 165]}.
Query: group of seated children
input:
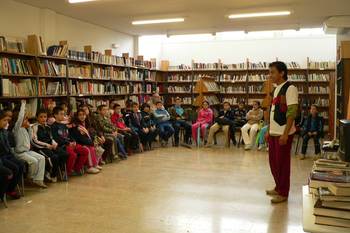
{"type": "Point", "coordinates": [59, 144]}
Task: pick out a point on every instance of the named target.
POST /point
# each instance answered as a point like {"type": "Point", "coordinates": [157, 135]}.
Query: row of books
{"type": "Point", "coordinates": [329, 184]}
{"type": "Point", "coordinates": [152, 64]}
{"type": "Point", "coordinates": [180, 67]}
{"type": "Point", "coordinates": [233, 78]}
{"type": "Point", "coordinates": [50, 68]}
{"type": "Point", "coordinates": [318, 77]}
{"type": "Point", "coordinates": [212, 99]}
{"type": "Point", "coordinates": [57, 50]}
{"type": "Point", "coordinates": [180, 89]}
{"type": "Point", "coordinates": [184, 100]}
{"type": "Point", "coordinates": [79, 55]}
{"type": "Point", "coordinates": [150, 76]}
{"type": "Point", "coordinates": [258, 77]}
{"type": "Point", "coordinates": [233, 89]}
{"type": "Point", "coordinates": [238, 66]}
{"type": "Point", "coordinates": [52, 88]}
{"type": "Point", "coordinates": [297, 77]}
{"type": "Point", "coordinates": [206, 66]}
{"type": "Point", "coordinates": [255, 88]}
{"type": "Point", "coordinates": [233, 101]}
{"type": "Point", "coordinates": [15, 66]}
{"type": "Point", "coordinates": [76, 71]}
{"type": "Point", "coordinates": [21, 87]}
{"type": "Point", "coordinates": [212, 86]}
{"type": "Point", "coordinates": [318, 89]}
{"type": "Point", "coordinates": [321, 102]}
{"type": "Point", "coordinates": [107, 59]}
{"type": "Point", "coordinates": [322, 65]}
{"type": "Point", "coordinates": [180, 77]}
{"type": "Point", "coordinates": [85, 87]}
{"type": "Point", "coordinates": [11, 45]}
{"type": "Point", "coordinates": [150, 88]}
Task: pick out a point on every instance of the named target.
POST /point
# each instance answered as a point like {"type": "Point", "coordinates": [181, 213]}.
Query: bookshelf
{"type": "Point", "coordinates": [80, 77]}
{"type": "Point", "coordinates": [206, 89]}
{"type": "Point", "coordinates": [343, 89]}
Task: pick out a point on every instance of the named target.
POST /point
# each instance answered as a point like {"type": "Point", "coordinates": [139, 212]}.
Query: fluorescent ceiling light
{"type": "Point", "coordinates": [259, 14]}
{"type": "Point", "coordinates": [79, 1]}
{"type": "Point", "coordinates": [154, 21]}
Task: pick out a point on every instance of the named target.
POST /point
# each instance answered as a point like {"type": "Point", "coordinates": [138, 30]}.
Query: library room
{"type": "Point", "coordinates": [174, 116]}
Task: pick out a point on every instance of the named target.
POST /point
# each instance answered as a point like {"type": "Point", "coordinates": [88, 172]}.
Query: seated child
{"type": "Point", "coordinates": [103, 146]}
{"type": "Point", "coordinates": [23, 151]}
{"type": "Point", "coordinates": [131, 138]}
{"type": "Point", "coordinates": [149, 123]}
{"type": "Point", "coordinates": [164, 126]}
{"type": "Point", "coordinates": [240, 114]}
{"type": "Point", "coordinates": [138, 125]}
{"type": "Point", "coordinates": [179, 119]}
{"type": "Point", "coordinates": [224, 121]}
{"type": "Point", "coordinates": [8, 159]}
{"type": "Point", "coordinates": [80, 134]}
{"type": "Point", "coordinates": [110, 131]}
{"type": "Point", "coordinates": [44, 144]}
{"type": "Point", "coordinates": [78, 154]}
{"type": "Point", "coordinates": [312, 128]}
{"type": "Point", "coordinates": [250, 129]}
{"type": "Point", "coordinates": [204, 120]}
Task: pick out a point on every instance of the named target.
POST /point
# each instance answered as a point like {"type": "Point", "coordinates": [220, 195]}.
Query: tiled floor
{"type": "Point", "coordinates": [173, 190]}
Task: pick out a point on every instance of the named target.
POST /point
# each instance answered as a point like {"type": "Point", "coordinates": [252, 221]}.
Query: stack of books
{"type": "Point", "coordinates": [21, 87]}
{"type": "Point", "coordinates": [330, 185]}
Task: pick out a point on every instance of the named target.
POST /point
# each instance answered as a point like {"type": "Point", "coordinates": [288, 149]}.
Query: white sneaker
{"type": "Point", "coordinates": [247, 147]}
{"type": "Point", "coordinates": [92, 170]}
{"type": "Point", "coordinates": [260, 147]}
{"type": "Point", "coordinates": [54, 179]}
{"type": "Point", "coordinates": [99, 167]}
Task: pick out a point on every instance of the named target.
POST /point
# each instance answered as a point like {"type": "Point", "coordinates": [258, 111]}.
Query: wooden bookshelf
{"type": "Point", "coordinates": [143, 77]}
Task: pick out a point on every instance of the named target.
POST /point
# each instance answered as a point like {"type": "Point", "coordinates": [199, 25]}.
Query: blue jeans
{"type": "Point", "coordinates": [261, 136]}
{"type": "Point", "coordinates": [166, 130]}
{"type": "Point", "coordinates": [120, 146]}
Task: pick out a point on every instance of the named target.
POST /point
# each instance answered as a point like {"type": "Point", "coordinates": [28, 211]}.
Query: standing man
{"type": "Point", "coordinates": [283, 111]}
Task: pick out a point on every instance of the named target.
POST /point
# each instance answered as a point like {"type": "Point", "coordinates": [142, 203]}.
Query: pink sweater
{"type": "Point", "coordinates": [205, 116]}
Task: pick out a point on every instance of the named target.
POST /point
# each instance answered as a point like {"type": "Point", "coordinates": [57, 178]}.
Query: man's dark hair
{"type": "Point", "coordinates": [159, 102]}
{"type": "Point", "coordinates": [99, 108]}
{"type": "Point", "coordinates": [134, 104]}
{"type": "Point", "coordinates": [281, 67]}
{"type": "Point", "coordinates": [56, 110]}
{"type": "Point", "coordinates": [41, 111]}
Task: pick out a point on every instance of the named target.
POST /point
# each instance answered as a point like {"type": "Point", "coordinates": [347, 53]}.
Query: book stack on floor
{"type": "Point", "coordinates": [330, 185]}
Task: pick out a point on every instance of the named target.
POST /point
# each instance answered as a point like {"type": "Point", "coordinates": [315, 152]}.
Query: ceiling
{"type": "Point", "coordinates": [201, 16]}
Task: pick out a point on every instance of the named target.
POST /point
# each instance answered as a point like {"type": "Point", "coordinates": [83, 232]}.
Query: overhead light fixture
{"type": "Point", "coordinates": [156, 21]}
{"type": "Point", "coordinates": [259, 14]}
{"type": "Point", "coordinates": [80, 1]}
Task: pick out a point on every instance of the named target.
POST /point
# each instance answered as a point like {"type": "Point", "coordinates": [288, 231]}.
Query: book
{"type": "Point", "coordinates": [319, 210]}
{"type": "Point", "coordinates": [324, 194]}
{"type": "Point", "coordinates": [331, 163]}
{"type": "Point", "coordinates": [2, 43]}
{"type": "Point", "coordinates": [337, 176]}
{"type": "Point", "coordinates": [329, 221]}
{"type": "Point", "coordinates": [340, 189]}
{"type": "Point", "coordinates": [57, 50]}
{"type": "Point", "coordinates": [36, 45]}
{"type": "Point", "coordinates": [79, 71]}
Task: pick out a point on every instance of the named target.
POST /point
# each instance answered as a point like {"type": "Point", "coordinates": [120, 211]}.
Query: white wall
{"type": "Point", "coordinates": [318, 48]}
{"type": "Point", "coordinates": [19, 20]}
